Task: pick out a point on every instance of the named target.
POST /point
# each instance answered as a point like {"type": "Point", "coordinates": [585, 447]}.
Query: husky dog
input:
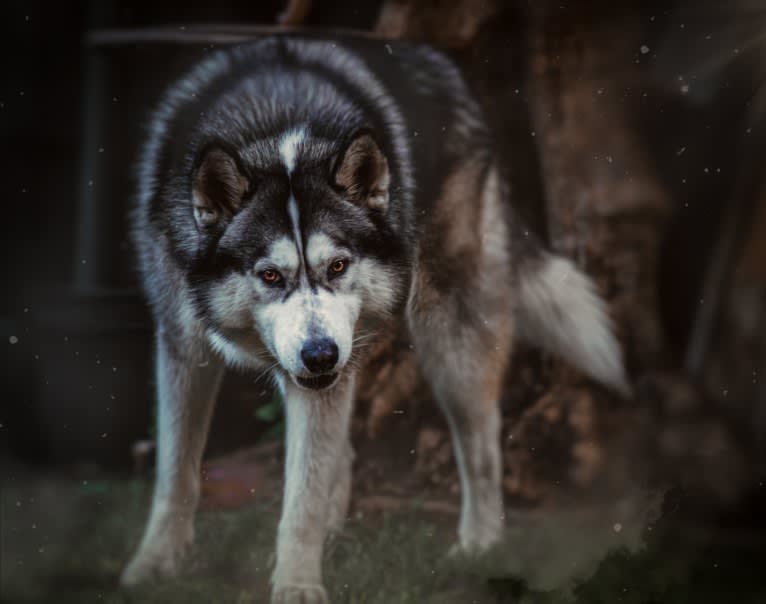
{"type": "Point", "coordinates": [298, 194]}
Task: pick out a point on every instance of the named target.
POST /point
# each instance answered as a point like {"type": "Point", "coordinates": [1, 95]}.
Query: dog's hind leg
{"type": "Point", "coordinates": [465, 366]}
{"type": "Point", "coordinates": [188, 378]}
{"type": "Point", "coordinates": [460, 320]}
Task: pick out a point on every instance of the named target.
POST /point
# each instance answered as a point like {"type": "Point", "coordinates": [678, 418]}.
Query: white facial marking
{"type": "Point", "coordinates": [288, 147]}
{"type": "Point", "coordinates": [292, 210]}
{"type": "Point", "coordinates": [335, 316]}
{"type": "Point", "coordinates": [286, 325]}
{"type": "Point", "coordinates": [283, 255]}
{"type": "Point", "coordinates": [321, 250]}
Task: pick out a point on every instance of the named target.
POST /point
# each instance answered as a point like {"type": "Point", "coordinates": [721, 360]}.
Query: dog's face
{"type": "Point", "coordinates": [309, 299]}
{"type": "Point", "coordinates": [294, 252]}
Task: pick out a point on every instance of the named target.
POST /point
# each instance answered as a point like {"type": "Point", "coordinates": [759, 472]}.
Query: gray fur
{"type": "Point", "coordinates": [297, 195]}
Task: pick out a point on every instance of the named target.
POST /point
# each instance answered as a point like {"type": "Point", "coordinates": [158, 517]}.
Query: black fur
{"type": "Point", "coordinates": [242, 97]}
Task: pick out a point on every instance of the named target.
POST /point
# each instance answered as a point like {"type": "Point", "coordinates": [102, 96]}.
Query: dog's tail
{"type": "Point", "coordinates": [560, 311]}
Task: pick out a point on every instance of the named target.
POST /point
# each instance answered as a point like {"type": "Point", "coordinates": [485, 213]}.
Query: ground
{"type": "Point", "coordinates": [65, 539]}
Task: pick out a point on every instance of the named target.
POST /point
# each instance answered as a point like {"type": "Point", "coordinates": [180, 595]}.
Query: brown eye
{"type": "Point", "coordinates": [338, 267]}
{"type": "Point", "coordinates": [270, 276]}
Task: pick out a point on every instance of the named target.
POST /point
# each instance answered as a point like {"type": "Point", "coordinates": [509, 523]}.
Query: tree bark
{"type": "Point", "coordinates": [606, 207]}
{"type": "Point", "coordinates": [557, 96]}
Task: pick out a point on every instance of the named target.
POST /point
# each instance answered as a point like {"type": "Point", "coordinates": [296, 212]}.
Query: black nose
{"type": "Point", "coordinates": [319, 355]}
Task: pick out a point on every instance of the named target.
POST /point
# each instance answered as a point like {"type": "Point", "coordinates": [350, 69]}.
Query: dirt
{"type": "Point", "coordinates": [66, 537]}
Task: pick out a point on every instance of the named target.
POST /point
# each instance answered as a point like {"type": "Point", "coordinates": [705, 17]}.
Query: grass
{"type": "Point", "coordinates": [66, 541]}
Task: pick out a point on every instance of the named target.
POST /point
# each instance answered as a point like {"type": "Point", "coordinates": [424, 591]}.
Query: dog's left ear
{"type": "Point", "coordinates": [362, 171]}
{"type": "Point", "coordinates": [218, 188]}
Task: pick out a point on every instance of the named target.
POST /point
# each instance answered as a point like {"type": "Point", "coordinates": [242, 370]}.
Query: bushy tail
{"type": "Point", "coordinates": [560, 311]}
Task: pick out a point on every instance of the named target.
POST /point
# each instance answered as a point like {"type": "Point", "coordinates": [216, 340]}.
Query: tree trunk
{"type": "Point", "coordinates": [605, 205]}
{"type": "Point", "coordinates": [554, 96]}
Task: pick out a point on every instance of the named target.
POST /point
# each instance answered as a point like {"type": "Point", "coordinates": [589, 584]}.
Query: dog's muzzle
{"type": "Point", "coordinates": [320, 357]}
{"type": "Point", "coordinates": [319, 382]}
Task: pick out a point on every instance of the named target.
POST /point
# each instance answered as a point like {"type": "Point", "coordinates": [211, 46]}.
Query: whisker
{"type": "Point", "coordinates": [267, 370]}
{"type": "Point", "coordinates": [364, 336]}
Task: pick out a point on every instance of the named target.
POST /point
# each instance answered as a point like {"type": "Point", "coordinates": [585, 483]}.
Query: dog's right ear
{"type": "Point", "coordinates": [218, 188]}
{"type": "Point", "coordinates": [362, 171]}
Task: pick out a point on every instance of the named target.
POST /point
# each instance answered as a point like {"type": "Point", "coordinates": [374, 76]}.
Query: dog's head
{"type": "Point", "coordinates": [295, 250]}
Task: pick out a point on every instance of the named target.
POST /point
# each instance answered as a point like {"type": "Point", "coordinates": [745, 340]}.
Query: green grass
{"type": "Point", "coordinates": [66, 541]}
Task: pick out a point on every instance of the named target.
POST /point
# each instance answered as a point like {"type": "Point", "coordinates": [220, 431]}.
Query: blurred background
{"type": "Point", "coordinates": [634, 140]}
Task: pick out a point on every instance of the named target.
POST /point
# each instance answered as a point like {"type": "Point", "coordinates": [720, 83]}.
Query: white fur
{"type": "Point", "coordinates": [230, 299]}
{"type": "Point", "coordinates": [336, 316]}
{"type": "Point", "coordinates": [284, 327]}
{"type": "Point", "coordinates": [186, 391]}
{"type": "Point", "coordinates": [378, 284]}
{"type": "Point", "coordinates": [562, 313]}
{"type": "Point", "coordinates": [288, 147]}
{"type": "Point", "coordinates": [237, 353]}
{"type": "Point", "coordinates": [283, 255]}
{"type": "Point", "coordinates": [286, 324]}
{"type": "Point", "coordinates": [252, 318]}
{"type": "Point", "coordinates": [316, 450]}
{"type": "Point", "coordinates": [295, 221]}
{"type": "Point", "coordinates": [321, 250]}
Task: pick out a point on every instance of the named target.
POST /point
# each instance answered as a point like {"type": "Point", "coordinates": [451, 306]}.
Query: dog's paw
{"type": "Point", "coordinates": [160, 553]}
{"type": "Point", "coordinates": [145, 571]}
{"type": "Point", "coordinates": [458, 551]}
{"type": "Point", "coordinates": [147, 566]}
{"type": "Point", "coordinates": [299, 594]}
{"type": "Point", "coordinates": [476, 538]}
{"type": "Point", "coordinates": [472, 548]}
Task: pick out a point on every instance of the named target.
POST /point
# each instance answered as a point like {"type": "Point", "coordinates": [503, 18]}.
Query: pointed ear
{"type": "Point", "coordinates": [218, 188]}
{"type": "Point", "coordinates": [362, 171]}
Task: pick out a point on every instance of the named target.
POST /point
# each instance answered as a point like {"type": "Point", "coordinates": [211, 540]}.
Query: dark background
{"type": "Point", "coordinates": [76, 337]}
{"type": "Point", "coordinates": [77, 384]}
{"type": "Point", "coordinates": [76, 390]}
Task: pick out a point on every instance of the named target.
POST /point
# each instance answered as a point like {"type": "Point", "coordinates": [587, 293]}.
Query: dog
{"type": "Point", "coordinates": [296, 195]}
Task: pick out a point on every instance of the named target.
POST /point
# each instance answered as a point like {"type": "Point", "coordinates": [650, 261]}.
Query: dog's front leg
{"type": "Point", "coordinates": [188, 377]}
{"type": "Point", "coordinates": [317, 433]}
